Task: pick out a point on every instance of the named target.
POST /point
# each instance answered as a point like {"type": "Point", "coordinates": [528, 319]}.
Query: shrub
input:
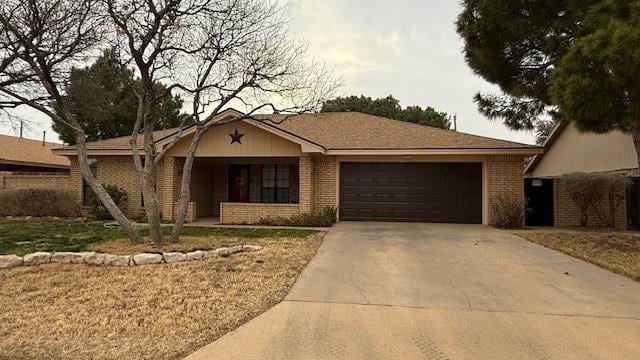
{"type": "Point", "coordinates": [602, 192]}
{"type": "Point", "coordinates": [324, 218]}
{"type": "Point", "coordinates": [583, 189]}
{"type": "Point", "coordinates": [508, 212]}
{"type": "Point", "coordinates": [98, 210]}
{"type": "Point", "coordinates": [38, 203]}
{"type": "Point", "coordinates": [613, 189]}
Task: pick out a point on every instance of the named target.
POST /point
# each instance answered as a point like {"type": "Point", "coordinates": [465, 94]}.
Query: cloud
{"type": "Point", "coordinates": [407, 48]}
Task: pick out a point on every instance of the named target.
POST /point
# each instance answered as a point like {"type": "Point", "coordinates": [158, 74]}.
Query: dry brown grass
{"type": "Point", "coordinates": [186, 244]}
{"type": "Point", "coordinates": [618, 252]}
{"type": "Point", "coordinates": [147, 312]}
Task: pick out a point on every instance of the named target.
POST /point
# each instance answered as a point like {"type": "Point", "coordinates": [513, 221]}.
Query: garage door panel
{"type": "Point", "coordinates": [423, 192]}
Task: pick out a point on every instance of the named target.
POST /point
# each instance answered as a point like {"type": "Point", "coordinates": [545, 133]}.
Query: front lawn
{"type": "Point", "coordinates": [161, 311]}
{"type": "Point", "coordinates": [24, 236]}
{"type": "Point", "coordinates": [618, 252]}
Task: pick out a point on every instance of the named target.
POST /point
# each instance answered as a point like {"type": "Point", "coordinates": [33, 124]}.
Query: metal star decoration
{"type": "Point", "coordinates": [236, 136]}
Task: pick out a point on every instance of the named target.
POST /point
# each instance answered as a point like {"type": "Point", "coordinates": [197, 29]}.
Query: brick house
{"type": "Point", "coordinates": [20, 155]}
{"type": "Point", "coordinates": [368, 167]}
{"type": "Point", "coordinates": [567, 150]}
{"type": "Point", "coordinates": [27, 163]}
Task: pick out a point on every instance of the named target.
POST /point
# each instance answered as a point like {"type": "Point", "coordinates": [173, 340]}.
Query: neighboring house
{"type": "Point", "coordinates": [368, 167]}
{"type": "Point", "coordinates": [19, 155]}
{"type": "Point", "coordinates": [28, 164]}
{"type": "Point", "coordinates": [567, 150]}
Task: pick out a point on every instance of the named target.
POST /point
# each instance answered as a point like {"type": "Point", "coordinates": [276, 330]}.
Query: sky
{"type": "Point", "coordinates": [405, 48]}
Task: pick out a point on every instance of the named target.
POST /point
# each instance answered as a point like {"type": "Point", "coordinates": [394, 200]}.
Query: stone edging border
{"type": "Point", "coordinates": [96, 258]}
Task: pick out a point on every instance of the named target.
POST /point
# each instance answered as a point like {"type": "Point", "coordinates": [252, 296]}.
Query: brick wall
{"type": "Point", "coordinates": [71, 182]}
{"type": "Point", "coordinates": [170, 179]}
{"type": "Point", "coordinates": [251, 213]}
{"type": "Point", "coordinates": [305, 185]}
{"type": "Point", "coordinates": [36, 181]}
{"type": "Point", "coordinates": [504, 177]}
{"type": "Point", "coordinates": [120, 171]}
{"type": "Point", "coordinates": [566, 212]}
{"type": "Point", "coordinates": [76, 179]}
{"type": "Point", "coordinates": [324, 182]}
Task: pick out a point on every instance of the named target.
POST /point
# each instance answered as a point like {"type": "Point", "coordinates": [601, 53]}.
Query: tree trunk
{"type": "Point", "coordinates": [149, 194]}
{"type": "Point", "coordinates": [101, 193]}
{"type": "Point", "coordinates": [635, 133]}
{"type": "Point", "coordinates": [151, 204]}
{"type": "Point", "coordinates": [185, 186]}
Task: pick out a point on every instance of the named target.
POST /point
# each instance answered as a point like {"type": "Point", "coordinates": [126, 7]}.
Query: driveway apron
{"type": "Point", "coordinates": [439, 291]}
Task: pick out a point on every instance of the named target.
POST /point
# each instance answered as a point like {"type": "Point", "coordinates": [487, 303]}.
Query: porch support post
{"type": "Point", "coordinates": [169, 175]}
{"type": "Point", "coordinates": [305, 183]}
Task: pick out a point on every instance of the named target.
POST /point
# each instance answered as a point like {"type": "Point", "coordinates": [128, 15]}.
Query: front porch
{"type": "Point", "coordinates": [239, 190]}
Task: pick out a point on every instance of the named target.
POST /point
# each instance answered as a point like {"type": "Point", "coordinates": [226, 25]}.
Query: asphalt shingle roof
{"type": "Point", "coordinates": [14, 149]}
{"type": "Point", "coordinates": [352, 131]}
{"type": "Point", "coordinates": [358, 131]}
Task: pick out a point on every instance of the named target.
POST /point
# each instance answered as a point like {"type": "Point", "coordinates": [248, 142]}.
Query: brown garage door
{"type": "Point", "coordinates": [418, 192]}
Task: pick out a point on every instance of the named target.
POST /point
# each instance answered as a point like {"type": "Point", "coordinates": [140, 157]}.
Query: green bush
{"type": "Point", "coordinates": [98, 210]}
{"type": "Point", "coordinates": [323, 218]}
{"type": "Point", "coordinates": [38, 203]}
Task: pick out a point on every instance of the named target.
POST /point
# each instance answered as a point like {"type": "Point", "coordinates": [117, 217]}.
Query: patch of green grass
{"type": "Point", "coordinates": [25, 236]}
{"type": "Point", "coordinates": [244, 232]}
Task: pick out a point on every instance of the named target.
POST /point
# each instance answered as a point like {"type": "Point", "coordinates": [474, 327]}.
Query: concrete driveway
{"type": "Point", "coordinates": [431, 291]}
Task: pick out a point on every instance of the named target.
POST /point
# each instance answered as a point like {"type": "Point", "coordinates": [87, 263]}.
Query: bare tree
{"type": "Point", "coordinates": [214, 53]}
{"type": "Point", "coordinates": [40, 42]}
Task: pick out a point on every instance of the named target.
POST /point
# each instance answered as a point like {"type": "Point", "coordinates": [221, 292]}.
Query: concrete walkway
{"type": "Point", "coordinates": [425, 291]}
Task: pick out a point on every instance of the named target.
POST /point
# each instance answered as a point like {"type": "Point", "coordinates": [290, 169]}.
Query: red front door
{"type": "Point", "coordinates": [238, 183]}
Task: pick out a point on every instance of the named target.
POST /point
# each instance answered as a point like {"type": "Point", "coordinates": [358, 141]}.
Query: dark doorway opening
{"type": "Point", "coordinates": [239, 183]}
{"type": "Point", "coordinates": [539, 197]}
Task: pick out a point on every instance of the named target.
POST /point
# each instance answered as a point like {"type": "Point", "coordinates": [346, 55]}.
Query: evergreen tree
{"type": "Point", "coordinates": [388, 107]}
{"type": "Point", "coordinates": [103, 101]}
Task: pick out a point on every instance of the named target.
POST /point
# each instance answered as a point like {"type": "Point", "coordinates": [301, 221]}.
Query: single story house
{"type": "Point", "coordinates": [26, 163]}
{"type": "Point", "coordinates": [20, 155]}
{"type": "Point", "coordinates": [568, 150]}
{"type": "Point", "coordinates": [367, 167]}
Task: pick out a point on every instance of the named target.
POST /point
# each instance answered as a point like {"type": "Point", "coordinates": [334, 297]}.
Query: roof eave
{"type": "Point", "coordinates": [35, 164]}
{"type": "Point", "coordinates": [94, 152]}
{"type": "Point", "coordinates": [463, 151]}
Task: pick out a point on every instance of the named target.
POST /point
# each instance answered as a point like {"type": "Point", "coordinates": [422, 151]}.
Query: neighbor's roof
{"type": "Point", "coordinates": [122, 142]}
{"type": "Point", "coordinates": [548, 142]}
{"type": "Point", "coordinates": [352, 131]}
{"type": "Point", "coordinates": [15, 150]}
